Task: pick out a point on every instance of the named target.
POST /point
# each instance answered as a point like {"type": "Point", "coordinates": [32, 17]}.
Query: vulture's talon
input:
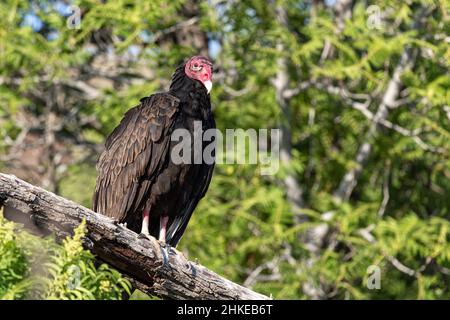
{"type": "Point", "coordinates": [160, 254]}
{"type": "Point", "coordinates": [165, 255]}
{"type": "Point", "coordinates": [144, 236]}
{"type": "Point", "coordinates": [168, 248]}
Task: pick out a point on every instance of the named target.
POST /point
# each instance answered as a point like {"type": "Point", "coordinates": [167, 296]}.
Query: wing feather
{"type": "Point", "coordinates": [134, 152]}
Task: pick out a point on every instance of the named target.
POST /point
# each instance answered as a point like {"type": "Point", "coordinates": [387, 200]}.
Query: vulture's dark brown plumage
{"type": "Point", "coordinates": [135, 171]}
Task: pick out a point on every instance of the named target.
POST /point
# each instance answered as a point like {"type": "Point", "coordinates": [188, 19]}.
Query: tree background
{"type": "Point", "coordinates": [359, 89]}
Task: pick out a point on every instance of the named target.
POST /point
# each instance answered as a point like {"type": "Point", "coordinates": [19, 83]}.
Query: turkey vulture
{"type": "Point", "coordinates": [138, 183]}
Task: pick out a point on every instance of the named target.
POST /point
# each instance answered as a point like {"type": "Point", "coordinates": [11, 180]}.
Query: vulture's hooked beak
{"type": "Point", "coordinates": [208, 85]}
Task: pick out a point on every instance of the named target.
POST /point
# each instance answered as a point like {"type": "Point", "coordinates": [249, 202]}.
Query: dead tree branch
{"type": "Point", "coordinates": [156, 270]}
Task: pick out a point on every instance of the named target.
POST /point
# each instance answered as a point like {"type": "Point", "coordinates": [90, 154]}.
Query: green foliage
{"type": "Point", "coordinates": [13, 263]}
{"type": "Point", "coordinates": [40, 269]}
{"type": "Point", "coordinates": [74, 276]}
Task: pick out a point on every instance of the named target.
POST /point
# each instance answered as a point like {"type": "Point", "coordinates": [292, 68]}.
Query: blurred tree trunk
{"type": "Point", "coordinates": [315, 238]}
{"type": "Point", "coordinates": [281, 83]}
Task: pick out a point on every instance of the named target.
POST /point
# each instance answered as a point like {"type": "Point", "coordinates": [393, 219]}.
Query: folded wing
{"type": "Point", "coordinates": [134, 153]}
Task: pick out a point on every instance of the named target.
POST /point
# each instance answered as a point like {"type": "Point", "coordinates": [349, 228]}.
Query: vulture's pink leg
{"type": "Point", "coordinates": [163, 228]}
{"type": "Point", "coordinates": [145, 218]}
{"type": "Point", "coordinates": [146, 234]}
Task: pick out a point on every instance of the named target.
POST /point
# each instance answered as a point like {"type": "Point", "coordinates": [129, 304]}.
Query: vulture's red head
{"type": "Point", "coordinates": [200, 68]}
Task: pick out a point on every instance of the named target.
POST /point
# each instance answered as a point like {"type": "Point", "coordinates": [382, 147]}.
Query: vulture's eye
{"type": "Point", "coordinates": [196, 67]}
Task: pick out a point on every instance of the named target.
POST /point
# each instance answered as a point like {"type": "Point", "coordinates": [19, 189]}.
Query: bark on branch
{"type": "Point", "coordinates": [164, 273]}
